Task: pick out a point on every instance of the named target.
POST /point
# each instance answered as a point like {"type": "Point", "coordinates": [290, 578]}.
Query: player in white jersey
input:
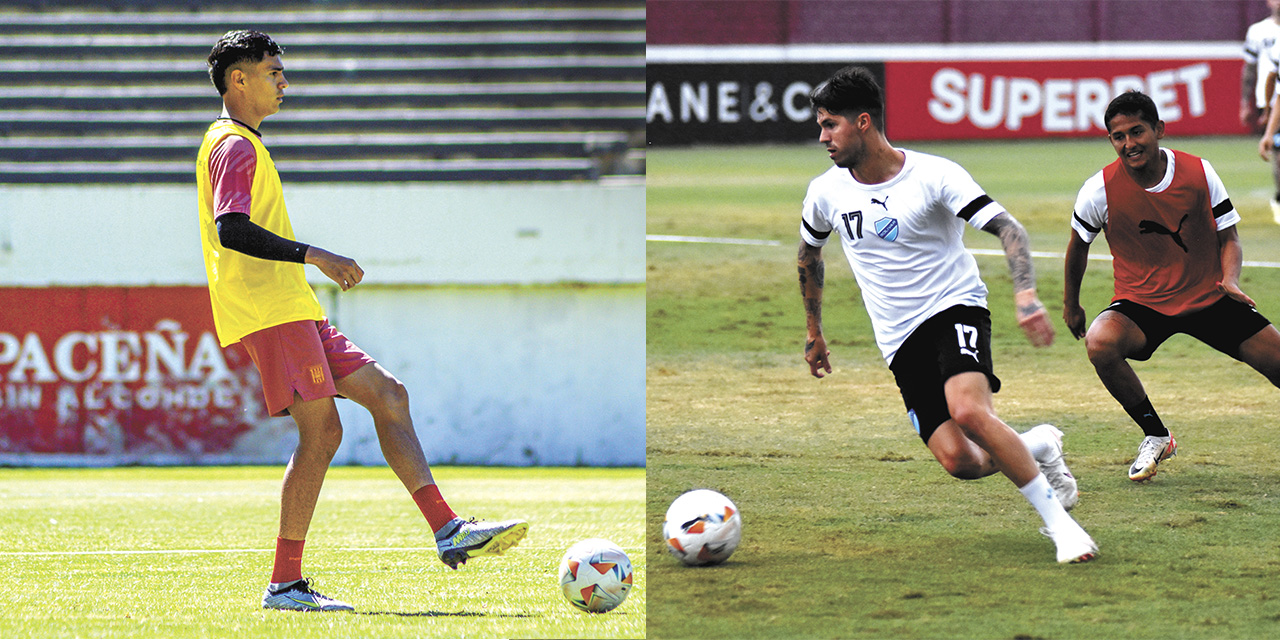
{"type": "Point", "coordinates": [900, 216]}
{"type": "Point", "coordinates": [1257, 91]}
{"type": "Point", "coordinates": [1255, 87]}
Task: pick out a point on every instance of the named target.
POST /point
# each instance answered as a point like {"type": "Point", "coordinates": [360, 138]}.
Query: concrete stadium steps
{"type": "Point", "coordinates": [444, 93]}
{"type": "Point", "coordinates": [513, 67]}
{"type": "Point", "coordinates": [516, 94]}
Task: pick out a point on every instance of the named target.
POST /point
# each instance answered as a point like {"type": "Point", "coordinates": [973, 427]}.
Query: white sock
{"type": "Point", "coordinates": [1039, 442]}
{"type": "Point", "coordinates": [1041, 496]}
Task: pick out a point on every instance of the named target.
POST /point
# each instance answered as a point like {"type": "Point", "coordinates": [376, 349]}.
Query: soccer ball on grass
{"type": "Point", "coordinates": [595, 575]}
{"type": "Point", "coordinates": [703, 527]}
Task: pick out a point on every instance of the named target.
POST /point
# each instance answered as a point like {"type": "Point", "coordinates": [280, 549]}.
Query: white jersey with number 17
{"type": "Point", "coordinates": [903, 239]}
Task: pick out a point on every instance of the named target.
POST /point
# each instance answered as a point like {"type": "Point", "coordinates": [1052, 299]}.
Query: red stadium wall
{"type": "Point", "coordinates": [782, 22]}
{"type": "Point", "coordinates": [939, 92]}
{"type": "Point", "coordinates": [724, 71]}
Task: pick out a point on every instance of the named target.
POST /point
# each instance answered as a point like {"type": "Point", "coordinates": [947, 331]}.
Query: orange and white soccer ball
{"type": "Point", "coordinates": [595, 575]}
{"type": "Point", "coordinates": [702, 527]}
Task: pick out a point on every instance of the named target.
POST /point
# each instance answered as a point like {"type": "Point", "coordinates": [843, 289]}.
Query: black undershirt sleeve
{"type": "Point", "coordinates": [238, 233]}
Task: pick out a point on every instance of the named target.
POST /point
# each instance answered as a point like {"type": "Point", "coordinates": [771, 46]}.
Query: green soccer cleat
{"type": "Point", "coordinates": [299, 596]}
{"type": "Point", "coordinates": [460, 540]}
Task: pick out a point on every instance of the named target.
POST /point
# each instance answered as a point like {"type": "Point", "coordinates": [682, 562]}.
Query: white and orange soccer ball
{"type": "Point", "coordinates": [702, 527]}
{"type": "Point", "coordinates": [595, 575]}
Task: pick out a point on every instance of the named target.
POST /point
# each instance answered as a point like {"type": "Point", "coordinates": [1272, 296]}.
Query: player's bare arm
{"type": "Point", "coordinates": [340, 269]}
{"type": "Point", "coordinates": [812, 272]}
{"type": "Point", "coordinates": [1232, 256]}
{"type": "Point", "coordinates": [1032, 316]}
{"type": "Point", "coordinates": [1269, 90]}
{"type": "Point", "coordinates": [1076, 262]}
{"type": "Point", "coordinates": [1248, 82]}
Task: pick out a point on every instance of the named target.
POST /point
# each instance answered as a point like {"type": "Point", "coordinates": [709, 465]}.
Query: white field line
{"type": "Point", "coordinates": [976, 252]}
{"type": "Point", "coordinates": [147, 552]}
{"type": "Point", "coordinates": [767, 243]}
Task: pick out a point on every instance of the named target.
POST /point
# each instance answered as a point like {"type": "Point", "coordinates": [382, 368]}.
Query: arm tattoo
{"type": "Point", "coordinates": [1017, 250]}
{"type": "Point", "coordinates": [812, 271]}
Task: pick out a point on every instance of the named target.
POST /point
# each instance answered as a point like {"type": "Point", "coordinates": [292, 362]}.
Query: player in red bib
{"type": "Point", "coordinates": [1171, 230]}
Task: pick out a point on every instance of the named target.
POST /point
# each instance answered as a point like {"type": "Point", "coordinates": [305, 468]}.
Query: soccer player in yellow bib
{"type": "Point", "coordinates": [261, 299]}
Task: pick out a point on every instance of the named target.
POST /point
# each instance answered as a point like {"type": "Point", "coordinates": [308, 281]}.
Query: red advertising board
{"type": "Point", "coordinates": [1052, 98]}
{"type": "Point", "coordinates": [124, 373]}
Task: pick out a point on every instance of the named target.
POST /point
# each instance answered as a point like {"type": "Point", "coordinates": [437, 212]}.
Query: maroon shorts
{"type": "Point", "coordinates": [303, 357]}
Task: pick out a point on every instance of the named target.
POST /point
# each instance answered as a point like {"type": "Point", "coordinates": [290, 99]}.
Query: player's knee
{"type": "Point", "coordinates": [396, 397]}
{"type": "Point", "coordinates": [321, 442]}
{"type": "Point", "coordinates": [972, 418]}
{"type": "Point", "coordinates": [962, 466]}
{"type": "Point", "coordinates": [332, 438]}
{"type": "Point", "coordinates": [1101, 349]}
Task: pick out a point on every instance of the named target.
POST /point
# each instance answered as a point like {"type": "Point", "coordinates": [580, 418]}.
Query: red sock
{"type": "Point", "coordinates": [433, 506]}
{"type": "Point", "coordinates": [288, 565]}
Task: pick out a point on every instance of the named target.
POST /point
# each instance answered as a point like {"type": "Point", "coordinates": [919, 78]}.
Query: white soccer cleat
{"type": "Point", "coordinates": [1275, 210]}
{"type": "Point", "coordinates": [460, 540]}
{"type": "Point", "coordinates": [299, 596]}
{"type": "Point", "coordinates": [1151, 452]}
{"type": "Point", "coordinates": [1056, 471]}
{"type": "Point", "coordinates": [1074, 545]}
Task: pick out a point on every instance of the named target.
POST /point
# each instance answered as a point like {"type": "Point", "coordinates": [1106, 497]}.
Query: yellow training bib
{"type": "Point", "coordinates": [250, 294]}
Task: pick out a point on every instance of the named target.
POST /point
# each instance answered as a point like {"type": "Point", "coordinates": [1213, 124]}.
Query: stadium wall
{"type": "Point", "coordinates": [743, 93]}
{"type": "Point", "coordinates": [513, 313]}
{"type": "Point", "coordinates": [788, 22]}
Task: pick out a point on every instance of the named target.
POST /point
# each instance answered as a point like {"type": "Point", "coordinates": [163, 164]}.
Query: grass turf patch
{"type": "Point", "coordinates": [850, 528]}
{"type": "Point", "coordinates": [177, 552]}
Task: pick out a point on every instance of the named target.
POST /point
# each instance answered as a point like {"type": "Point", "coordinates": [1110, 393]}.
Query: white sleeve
{"type": "Point", "coordinates": [1266, 65]}
{"type": "Point", "coordinates": [1090, 215]}
{"type": "Point", "coordinates": [815, 227]}
{"type": "Point", "coordinates": [1252, 44]}
{"type": "Point", "coordinates": [1224, 213]}
{"type": "Point", "coordinates": [963, 197]}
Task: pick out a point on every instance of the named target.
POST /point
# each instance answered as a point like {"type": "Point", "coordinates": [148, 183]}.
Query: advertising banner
{"type": "Point", "coordinates": [745, 95]}
{"type": "Point", "coordinates": [123, 374]}
{"type": "Point", "coordinates": [735, 102]}
{"type": "Point", "coordinates": [1052, 98]}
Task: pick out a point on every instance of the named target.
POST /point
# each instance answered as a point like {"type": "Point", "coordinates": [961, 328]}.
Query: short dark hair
{"type": "Point", "coordinates": [1132, 103]}
{"type": "Point", "coordinates": [851, 89]}
{"type": "Point", "coordinates": [236, 47]}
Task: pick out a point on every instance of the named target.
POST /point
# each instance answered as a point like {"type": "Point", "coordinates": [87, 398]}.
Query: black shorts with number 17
{"type": "Point", "coordinates": [951, 342]}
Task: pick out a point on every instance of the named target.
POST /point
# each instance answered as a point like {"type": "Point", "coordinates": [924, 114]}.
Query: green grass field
{"type": "Point", "coordinates": [851, 529]}
{"type": "Point", "coordinates": [186, 553]}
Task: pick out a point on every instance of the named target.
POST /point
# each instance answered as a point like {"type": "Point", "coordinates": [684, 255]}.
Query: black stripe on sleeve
{"type": "Point", "coordinates": [1223, 208]}
{"type": "Point", "coordinates": [973, 207]}
{"type": "Point", "coordinates": [1086, 225]}
{"type": "Point", "coordinates": [820, 235]}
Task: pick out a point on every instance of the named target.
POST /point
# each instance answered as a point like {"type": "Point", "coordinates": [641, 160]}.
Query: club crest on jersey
{"type": "Point", "coordinates": [887, 228]}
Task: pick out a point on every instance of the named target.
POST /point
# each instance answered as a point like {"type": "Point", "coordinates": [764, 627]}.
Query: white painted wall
{"type": "Point", "coordinates": [507, 376]}
{"type": "Point", "coordinates": [527, 233]}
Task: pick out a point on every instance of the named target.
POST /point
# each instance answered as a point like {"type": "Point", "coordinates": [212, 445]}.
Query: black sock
{"type": "Point", "coordinates": [1145, 415]}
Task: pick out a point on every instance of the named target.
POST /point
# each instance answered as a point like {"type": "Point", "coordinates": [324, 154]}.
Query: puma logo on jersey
{"type": "Point", "coordinates": [1150, 226]}
{"type": "Point", "coordinates": [884, 203]}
